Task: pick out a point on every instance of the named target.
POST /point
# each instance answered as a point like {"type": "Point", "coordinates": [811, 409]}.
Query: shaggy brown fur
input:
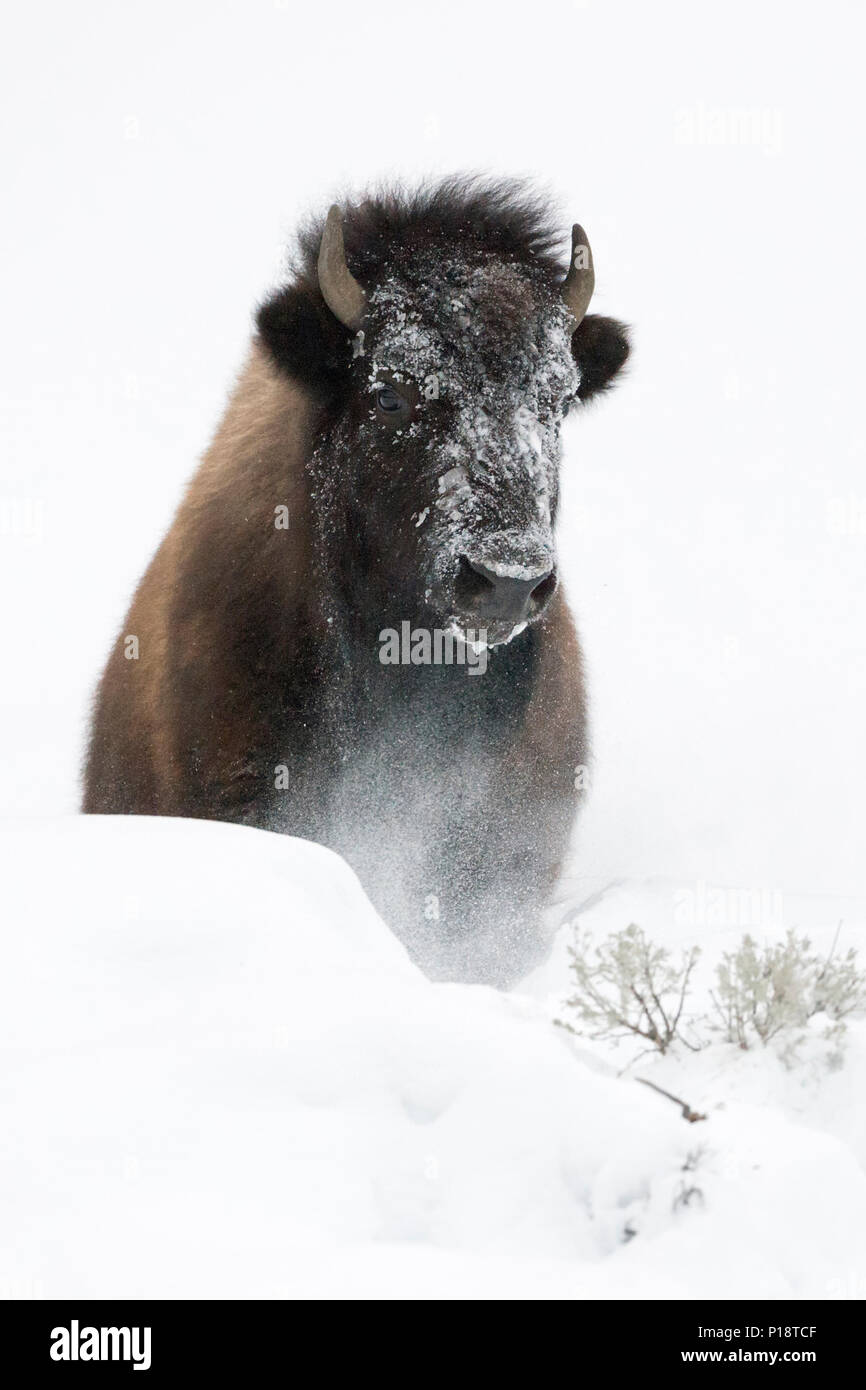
{"type": "Point", "coordinates": [453, 796]}
{"type": "Point", "coordinates": [181, 724]}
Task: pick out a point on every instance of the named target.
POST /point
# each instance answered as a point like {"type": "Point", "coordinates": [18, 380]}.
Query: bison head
{"type": "Point", "coordinates": [444, 369]}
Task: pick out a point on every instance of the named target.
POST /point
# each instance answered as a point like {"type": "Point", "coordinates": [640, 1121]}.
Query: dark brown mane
{"type": "Point", "coordinates": [505, 218]}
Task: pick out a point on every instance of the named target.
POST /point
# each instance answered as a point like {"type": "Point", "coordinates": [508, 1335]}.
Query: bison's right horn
{"type": "Point", "coordinates": [340, 290]}
{"type": "Point", "coordinates": [579, 283]}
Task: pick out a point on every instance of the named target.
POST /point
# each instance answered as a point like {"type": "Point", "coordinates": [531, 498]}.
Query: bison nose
{"type": "Point", "coordinates": [505, 593]}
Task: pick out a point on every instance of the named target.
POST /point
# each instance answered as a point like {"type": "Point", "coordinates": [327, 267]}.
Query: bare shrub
{"type": "Point", "coordinates": [626, 986]}
{"type": "Point", "coordinates": [762, 992]}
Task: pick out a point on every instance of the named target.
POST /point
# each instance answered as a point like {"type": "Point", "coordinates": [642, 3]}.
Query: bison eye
{"type": "Point", "coordinates": [388, 401]}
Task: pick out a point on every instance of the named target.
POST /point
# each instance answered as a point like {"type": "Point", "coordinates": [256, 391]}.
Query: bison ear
{"type": "Point", "coordinates": [600, 348]}
{"type": "Point", "coordinates": [305, 340]}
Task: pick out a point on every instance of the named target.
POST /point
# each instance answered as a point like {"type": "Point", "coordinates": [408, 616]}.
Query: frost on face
{"type": "Point", "coordinates": [489, 348]}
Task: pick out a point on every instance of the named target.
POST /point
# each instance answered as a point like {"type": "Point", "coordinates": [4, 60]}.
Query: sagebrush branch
{"type": "Point", "coordinates": [688, 1113]}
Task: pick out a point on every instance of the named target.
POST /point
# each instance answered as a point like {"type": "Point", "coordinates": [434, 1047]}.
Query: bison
{"type": "Point", "coordinates": [387, 466]}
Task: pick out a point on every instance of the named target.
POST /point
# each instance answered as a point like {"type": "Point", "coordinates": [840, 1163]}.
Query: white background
{"type": "Point", "coordinates": [156, 159]}
{"type": "Point", "coordinates": [294, 1109]}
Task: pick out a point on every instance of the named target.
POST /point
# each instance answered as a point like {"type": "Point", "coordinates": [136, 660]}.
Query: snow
{"type": "Point", "coordinates": [252, 1026]}
{"type": "Point", "coordinates": [223, 1077]}
{"type": "Point", "coordinates": [497, 459]}
{"type": "Point", "coordinates": [506, 571]}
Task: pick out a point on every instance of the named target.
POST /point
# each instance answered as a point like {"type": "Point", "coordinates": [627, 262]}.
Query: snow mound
{"type": "Point", "coordinates": [223, 1077]}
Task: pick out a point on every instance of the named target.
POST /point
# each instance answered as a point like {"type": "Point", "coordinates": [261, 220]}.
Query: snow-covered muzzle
{"type": "Point", "coordinates": [478, 357]}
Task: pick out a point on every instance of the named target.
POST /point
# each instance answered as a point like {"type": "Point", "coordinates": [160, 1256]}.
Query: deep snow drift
{"type": "Point", "coordinates": [223, 1077]}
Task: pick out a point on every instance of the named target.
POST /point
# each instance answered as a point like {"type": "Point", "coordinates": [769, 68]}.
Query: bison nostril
{"type": "Point", "coordinates": [472, 584]}
{"type": "Point", "coordinates": [544, 590]}
{"type": "Point", "coordinates": [499, 594]}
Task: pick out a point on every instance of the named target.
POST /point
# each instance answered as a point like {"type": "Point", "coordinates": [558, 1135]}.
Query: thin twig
{"type": "Point", "coordinates": [692, 958]}
{"type": "Point", "coordinates": [690, 965]}
{"type": "Point", "coordinates": [669, 1032]}
{"type": "Point", "coordinates": [832, 949]}
{"type": "Point", "coordinates": [688, 1113]}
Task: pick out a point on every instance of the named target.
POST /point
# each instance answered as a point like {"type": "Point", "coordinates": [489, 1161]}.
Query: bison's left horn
{"type": "Point", "coordinates": [578, 285]}
{"type": "Point", "coordinates": [340, 290]}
